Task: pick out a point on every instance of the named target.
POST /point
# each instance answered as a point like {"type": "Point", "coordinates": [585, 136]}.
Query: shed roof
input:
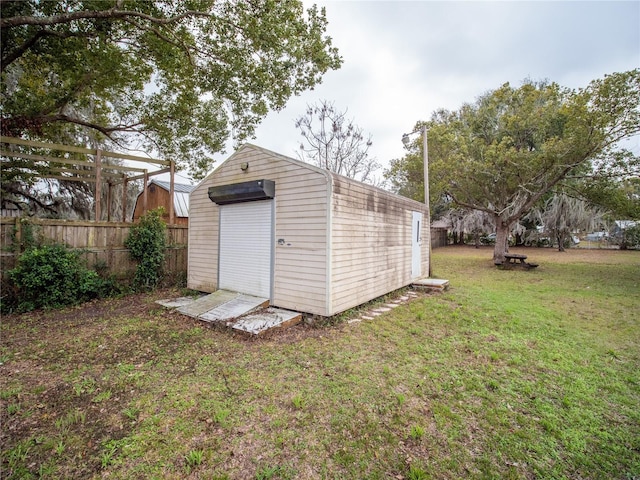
{"type": "Point", "coordinates": [177, 187]}
{"type": "Point", "coordinates": [440, 223]}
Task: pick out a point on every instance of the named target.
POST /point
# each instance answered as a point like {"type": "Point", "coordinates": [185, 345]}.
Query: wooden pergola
{"type": "Point", "coordinates": [93, 171]}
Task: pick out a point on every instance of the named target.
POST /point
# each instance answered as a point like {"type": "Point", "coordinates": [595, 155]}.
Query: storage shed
{"type": "Point", "coordinates": [158, 196]}
{"type": "Point", "coordinates": [303, 237]}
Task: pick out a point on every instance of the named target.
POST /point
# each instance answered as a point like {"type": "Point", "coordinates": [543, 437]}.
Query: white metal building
{"type": "Point", "coordinates": [309, 240]}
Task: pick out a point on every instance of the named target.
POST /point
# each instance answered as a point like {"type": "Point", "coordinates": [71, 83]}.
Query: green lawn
{"type": "Point", "coordinates": [509, 374]}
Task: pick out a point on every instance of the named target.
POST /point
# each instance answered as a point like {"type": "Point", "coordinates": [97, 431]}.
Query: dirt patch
{"type": "Point", "coordinates": [65, 381]}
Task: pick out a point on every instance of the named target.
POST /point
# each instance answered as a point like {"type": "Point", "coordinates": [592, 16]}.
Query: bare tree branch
{"type": "Point", "coordinates": [335, 143]}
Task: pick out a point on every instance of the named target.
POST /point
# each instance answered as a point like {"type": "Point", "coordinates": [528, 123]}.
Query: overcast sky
{"type": "Point", "coordinates": [404, 60]}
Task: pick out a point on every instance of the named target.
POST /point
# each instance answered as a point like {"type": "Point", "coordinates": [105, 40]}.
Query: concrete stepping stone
{"type": "Point", "coordinates": [176, 302]}
{"type": "Point", "coordinates": [431, 283]}
{"type": "Point", "coordinates": [267, 319]}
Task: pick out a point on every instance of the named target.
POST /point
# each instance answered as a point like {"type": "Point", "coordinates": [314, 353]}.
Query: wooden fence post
{"type": "Point", "coordinates": [124, 199]}
{"type": "Point", "coordinates": [98, 183]}
{"type": "Point", "coordinates": [18, 230]}
{"type": "Point", "coordinates": [171, 192]}
{"type": "Point", "coordinates": [109, 201]}
{"type": "Point", "coordinates": [145, 193]}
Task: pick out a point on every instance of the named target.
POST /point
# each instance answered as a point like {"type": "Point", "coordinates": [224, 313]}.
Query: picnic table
{"type": "Point", "coordinates": [517, 259]}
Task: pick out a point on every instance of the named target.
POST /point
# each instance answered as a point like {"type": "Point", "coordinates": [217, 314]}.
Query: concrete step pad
{"type": "Point", "coordinates": [431, 283]}
{"type": "Point", "coordinates": [238, 311]}
{"type": "Point", "coordinates": [233, 309]}
{"type": "Point", "coordinates": [223, 305]}
{"type": "Point", "coordinates": [176, 302]}
{"type": "Point", "coordinates": [260, 321]}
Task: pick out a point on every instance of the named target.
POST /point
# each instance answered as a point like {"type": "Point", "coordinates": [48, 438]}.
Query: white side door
{"type": "Point", "coordinates": [416, 243]}
{"type": "Point", "coordinates": [246, 248]}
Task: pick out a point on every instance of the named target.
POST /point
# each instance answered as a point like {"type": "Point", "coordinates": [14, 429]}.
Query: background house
{"type": "Point", "coordinates": [305, 238]}
{"type": "Point", "coordinates": [158, 196]}
{"type": "Point", "coordinates": [439, 233]}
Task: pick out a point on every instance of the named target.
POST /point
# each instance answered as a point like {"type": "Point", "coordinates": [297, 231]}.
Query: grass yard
{"type": "Point", "coordinates": [509, 374]}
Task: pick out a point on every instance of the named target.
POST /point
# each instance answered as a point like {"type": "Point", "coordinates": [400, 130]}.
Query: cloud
{"type": "Point", "coordinates": [404, 60]}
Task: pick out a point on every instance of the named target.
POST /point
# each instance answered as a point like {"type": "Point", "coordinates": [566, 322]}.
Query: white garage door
{"type": "Point", "coordinates": [245, 247]}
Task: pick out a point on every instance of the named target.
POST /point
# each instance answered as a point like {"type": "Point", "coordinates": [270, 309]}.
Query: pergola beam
{"type": "Point", "coordinates": [66, 161]}
{"type": "Point", "coordinates": [95, 172]}
{"type": "Point", "coordinates": [86, 151]}
{"type": "Point", "coordinates": [149, 174]}
{"type": "Point", "coordinates": [86, 175]}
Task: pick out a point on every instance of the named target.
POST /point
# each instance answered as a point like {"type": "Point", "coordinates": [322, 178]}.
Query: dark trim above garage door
{"type": "Point", "coordinates": [243, 192]}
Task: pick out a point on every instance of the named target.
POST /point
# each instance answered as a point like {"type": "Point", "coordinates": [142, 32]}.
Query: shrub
{"type": "Point", "coordinates": [52, 276]}
{"type": "Point", "coordinates": [147, 243]}
{"type": "Point", "coordinates": [629, 238]}
{"type": "Point", "coordinates": [29, 238]}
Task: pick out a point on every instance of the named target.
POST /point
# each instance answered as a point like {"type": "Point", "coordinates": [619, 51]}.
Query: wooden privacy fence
{"type": "Point", "coordinates": [102, 243]}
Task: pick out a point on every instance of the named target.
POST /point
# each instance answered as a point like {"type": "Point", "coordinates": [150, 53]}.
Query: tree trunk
{"type": "Point", "coordinates": [519, 240]}
{"type": "Point", "coordinates": [560, 239]}
{"type": "Point", "coordinates": [502, 241]}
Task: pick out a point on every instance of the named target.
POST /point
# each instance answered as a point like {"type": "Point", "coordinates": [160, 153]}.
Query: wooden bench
{"type": "Point", "coordinates": [516, 259]}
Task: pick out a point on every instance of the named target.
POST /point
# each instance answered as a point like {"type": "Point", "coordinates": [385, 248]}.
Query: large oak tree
{"type": "Point", "coordinates": [176, 77]}
{"type": "Point", "coordinates": [504, 152]}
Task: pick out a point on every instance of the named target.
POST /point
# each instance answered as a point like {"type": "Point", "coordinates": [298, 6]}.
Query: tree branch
{"type": "Point", "coordinates": [10, 124]}
{"type": "Point", "coordinates": [163, 37]}
{"type": "Point", "coordinates": [15, 189]}
{"type": "Point", "coordinates": [18, 52]}
{"type": "Point", "coordinates": [94, 15]}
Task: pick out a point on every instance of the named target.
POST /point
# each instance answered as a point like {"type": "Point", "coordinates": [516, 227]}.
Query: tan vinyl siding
{"type": "Point", "coordinates": [202, 267]}
{"type": "Point", "coordinates": [371, 243]}
{"type": "Point", "coordinates": [300, 265]}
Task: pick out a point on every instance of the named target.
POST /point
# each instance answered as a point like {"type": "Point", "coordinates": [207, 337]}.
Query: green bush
{"type": "Point", "coordinates": [147, 242]}
{"type": "Point", "coordinates": [630, 238]}
{"type": "Point", "coordinates": [52, 276]}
